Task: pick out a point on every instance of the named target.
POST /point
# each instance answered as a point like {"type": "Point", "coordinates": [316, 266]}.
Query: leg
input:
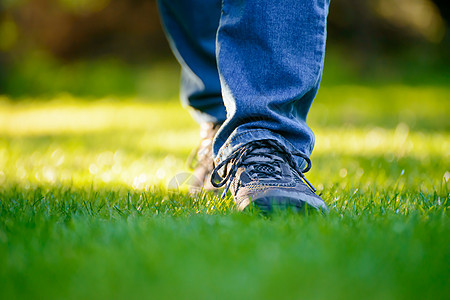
{"type": "Point", "coordinates": [191, 28]}
{"type": "Point", "coordinates": [270, 58]}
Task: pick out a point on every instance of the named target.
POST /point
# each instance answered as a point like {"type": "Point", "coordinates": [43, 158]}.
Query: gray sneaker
{"type": "Point", "coordinates": [201, 159]}
{"type": "Point", "coordinates": [265, 174]}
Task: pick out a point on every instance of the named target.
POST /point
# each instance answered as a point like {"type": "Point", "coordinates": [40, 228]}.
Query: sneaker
{"type": "Point", "coordinates": [265, 174]}
{"type": "Point", "coordinates": [201, 159]}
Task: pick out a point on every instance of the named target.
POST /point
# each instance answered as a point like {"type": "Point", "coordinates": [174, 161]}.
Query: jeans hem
{"type": "Point", "coordinates": [206, 117]}
{"type": "Point", "coordinates": [236, 141]}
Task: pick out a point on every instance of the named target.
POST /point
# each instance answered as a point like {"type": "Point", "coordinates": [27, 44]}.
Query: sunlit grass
{"type": "Point", "coordinates": [85, 211]}
{"type": "Point", "coordinates": [137, 145]}
{"type": "Point", "coordinates": [139, 159]}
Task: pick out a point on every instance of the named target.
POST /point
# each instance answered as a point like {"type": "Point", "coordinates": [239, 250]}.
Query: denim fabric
{"type": "Point", "coordinates": [269, 58]}
{"type": "Point", "coordinates": [191, 28]}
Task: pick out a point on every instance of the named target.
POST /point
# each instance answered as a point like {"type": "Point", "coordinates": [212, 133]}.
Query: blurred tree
{"type": "Point", "coordinates": [73, 29]}
{"type": "Point", "coordinates": [130, 29]}
{"type": "Point", "coordinates": [444, 9]}
{"type": "Point", "coordinates": [370, 37]}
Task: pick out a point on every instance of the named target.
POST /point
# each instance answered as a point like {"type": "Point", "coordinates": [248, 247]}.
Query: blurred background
{"type": "Point", "coordinates": [97, 48]}
{"type": "Point", "coordinates": [92, 137]}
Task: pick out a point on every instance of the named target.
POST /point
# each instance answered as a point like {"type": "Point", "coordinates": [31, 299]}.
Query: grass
{"type": "Point", "coordinates": [85, 212]}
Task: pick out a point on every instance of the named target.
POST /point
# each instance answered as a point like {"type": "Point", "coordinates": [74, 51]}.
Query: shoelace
{"type": "Point", "coordinates": [244, 155]}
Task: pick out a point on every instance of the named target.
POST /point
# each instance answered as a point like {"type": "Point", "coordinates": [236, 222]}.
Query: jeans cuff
{"type": "Point", "coordinates": [236, 141]}
{"type": "Point", "coordinates": [216, 115]}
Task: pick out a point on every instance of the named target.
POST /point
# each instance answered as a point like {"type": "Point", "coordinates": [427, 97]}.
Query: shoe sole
{"type": "Point", "coordinates": [281, 201]}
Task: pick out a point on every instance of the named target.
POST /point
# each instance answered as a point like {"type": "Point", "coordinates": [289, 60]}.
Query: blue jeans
{"type": "Point", "coordinates": [255, 65]}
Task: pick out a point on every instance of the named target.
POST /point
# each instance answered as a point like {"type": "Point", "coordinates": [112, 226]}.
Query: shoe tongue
{"type": "Point", "coordinates": [264, 161]}
{"type": "Point", "coordinates": [263, 155]}
{"type": "Point", "coordinates": [265, 167]}
{"type": "Point", "coordinates": [258, 159]}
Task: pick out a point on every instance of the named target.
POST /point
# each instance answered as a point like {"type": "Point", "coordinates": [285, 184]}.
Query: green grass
{"type": "Point", "coordinates": [85, 212]}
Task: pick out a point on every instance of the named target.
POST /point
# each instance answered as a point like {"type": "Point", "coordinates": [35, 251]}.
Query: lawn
{"type": "Point", "coordinates": [85, 211]}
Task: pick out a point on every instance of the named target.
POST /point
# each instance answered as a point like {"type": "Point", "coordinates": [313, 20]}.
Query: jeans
{"type": "Point", "coordinates": [255, 65]}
